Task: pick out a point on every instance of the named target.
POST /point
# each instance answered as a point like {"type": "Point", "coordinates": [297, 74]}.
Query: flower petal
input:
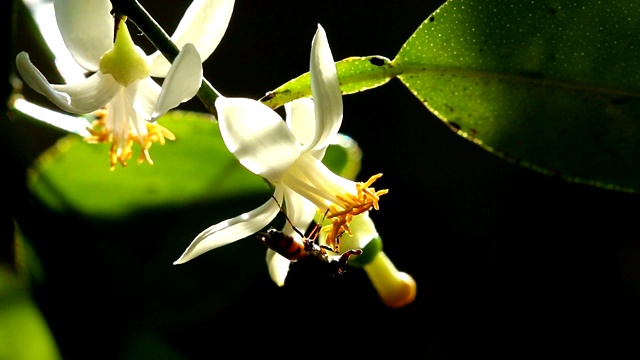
{"type": "Point", "coordinates": [122, 119]}
{"type": "Point", "coordinates": [278, 267]}
{"type": "Point", "coordinates": [257, 136]}
{"type": "Point", "coordinates": [87, 29]}
{"type": "Point", "coordinates": [92, 94]}
{"type": "Point", "coordinates": [312, 179]}
{"type": "Point", "coordinates": [146, 97]}
{"type": "Point", "coordinates": [203, 24]}
{"type": "Point", "coordinates": [299, 211]}
{"type": "Point", "coordinates": [80, 98]}
{"type": "Point", "coordinates": [182, 82]}
{"type": "Point", "coordinates": [301, 119]}
{"type": "Point", "coordinates": [325, 88]}
{"type": "Point", "coordinates": [231, 230]}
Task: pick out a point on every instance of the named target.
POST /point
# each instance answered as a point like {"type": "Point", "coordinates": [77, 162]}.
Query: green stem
{"type": "Point", "coordinates": [161, 40]}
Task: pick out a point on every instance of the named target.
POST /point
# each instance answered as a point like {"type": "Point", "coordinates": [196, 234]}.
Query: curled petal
{"type": "Point", "coordinates": [257, 136]}
{"type": "Point", "coordinates": [231, 230]}
{"type": "Point", "coordinates": [87, 29]}
{"type": "Point", "coordinates": [325, 88]}
{"type": "Point", "coordinates": [301, 120]}
{"type": "Point", "coordinates": [182, 82]}
{"type": "Point", "coordinates": [80, 98]}
{"type": "Point", "coordinates": [278, 267]}
{"type": "Point", "coordinates": [203, 24]}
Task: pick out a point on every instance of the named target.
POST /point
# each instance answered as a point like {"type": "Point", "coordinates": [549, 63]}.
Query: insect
{"type": "Point", "coordinates": [295, 249]}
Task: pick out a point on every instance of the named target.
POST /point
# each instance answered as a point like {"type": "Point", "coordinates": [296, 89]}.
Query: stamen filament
{"type": "Point", "coordinates": [352, 205]}
{"type": "Point", "coordinates": [122, 141]}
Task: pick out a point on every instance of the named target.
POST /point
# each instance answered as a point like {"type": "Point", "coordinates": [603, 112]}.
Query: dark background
{"type": "Point", "coordinates": [508, 262]}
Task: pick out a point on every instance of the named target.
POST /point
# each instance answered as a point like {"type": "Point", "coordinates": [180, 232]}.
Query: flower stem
{"type": "Point", "coordinates": [161, 40]}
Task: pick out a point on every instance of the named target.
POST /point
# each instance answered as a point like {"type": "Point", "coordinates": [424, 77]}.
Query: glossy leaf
{"type": "Point", "coordinates": [355, 74]}
{"type": "Point", "coordinates": [548, 84]}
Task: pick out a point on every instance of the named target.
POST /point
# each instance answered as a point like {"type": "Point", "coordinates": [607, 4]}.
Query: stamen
{"type": "Point", "coordinates": [365, 198]}
{"type": "Point", "coordinates": [121, 149]}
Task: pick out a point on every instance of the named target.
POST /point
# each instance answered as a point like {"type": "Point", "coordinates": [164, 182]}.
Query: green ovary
{"type": "Point", "coordinates": [125, 61]}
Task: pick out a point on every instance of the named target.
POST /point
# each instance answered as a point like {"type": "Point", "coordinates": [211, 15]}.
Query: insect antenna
{"type": "Point", "coordinates": [287, 218]}
{"type": "Point", "coordinates": [310, 240]}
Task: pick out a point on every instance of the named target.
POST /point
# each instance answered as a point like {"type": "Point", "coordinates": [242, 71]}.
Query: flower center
{"type": "Point", "coordinates": [125, 61]}
{"type": "Point", "coordinates": [365, 198]}
{"type": "Point", "coordinates": [123, 137]}
{"type": "Point", "coordinates": [338, 198]}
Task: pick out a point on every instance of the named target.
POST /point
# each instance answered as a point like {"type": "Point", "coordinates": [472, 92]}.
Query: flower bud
{"type": "Point", "coordinates": [396, 289]}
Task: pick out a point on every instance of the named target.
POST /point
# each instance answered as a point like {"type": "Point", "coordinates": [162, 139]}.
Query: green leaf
{"type": "Point", "coordinates": [549, 84]}
{"type": "Point", "coordinates": [74, 176]}
{"type": "Point", "coordinates": [24, 333]}
{"type": "Point", "coordinates": [355, 73]}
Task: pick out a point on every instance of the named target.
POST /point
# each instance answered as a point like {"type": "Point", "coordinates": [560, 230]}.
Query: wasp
{"type": "Point", "coordinates": [295, 249]}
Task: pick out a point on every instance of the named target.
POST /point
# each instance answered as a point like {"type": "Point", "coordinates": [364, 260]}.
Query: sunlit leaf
{"type": "Point", "coordinates": [74, 176]}
{"type": "Point", "coordinates": [355, 74]}
{"type": "Point", "coordinates": [551, 84]}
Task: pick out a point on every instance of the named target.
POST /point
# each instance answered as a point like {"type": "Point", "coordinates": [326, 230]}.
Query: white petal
{"type": "Point", "coordinates": [301, 119]}
{"type": "Point", "coordinates": [146, 97]}
{"type": "Point", "coordinates": [137, 119]}
{"type": "Point", "coordinates": [319, 153]}
{"type": "Point", "coordinates": [257, 136]}
{"type": "Point", "coordinates": [319, 177]}
{"type": "Point", "coordinates": [80, 98]}
{"type": "Point", "coordinates": [299, 211]}
{"type": "Point", "coordinates": [182, 82]}
{"type": "Point", "coordinates": [278, 267]}
{"type": "Point", "coordinates": [203, 24]}
{"type": "Point", "coordinates": [231, 230]}
{"type": "Point", "coordinates": [325, 88]}
{"type": "Point", "coordinates": [86, 27]}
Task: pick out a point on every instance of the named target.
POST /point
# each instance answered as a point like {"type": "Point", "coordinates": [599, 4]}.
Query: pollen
{"type": "Point", "coordinates": [364, 199]}
{"type": "Point", "coordinates": [122, 142]}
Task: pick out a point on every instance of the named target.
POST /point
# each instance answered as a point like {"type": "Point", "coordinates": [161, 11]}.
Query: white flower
{"type": "Point", "coordinates": [120, 88]}
{"type": "Point", "coordinates": [289, 155]}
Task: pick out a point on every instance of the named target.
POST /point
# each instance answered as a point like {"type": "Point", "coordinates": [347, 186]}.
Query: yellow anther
{"type": "Point", "coordinates": [121, 149]}
{"type": "Point", "coordinates": [352, 205]}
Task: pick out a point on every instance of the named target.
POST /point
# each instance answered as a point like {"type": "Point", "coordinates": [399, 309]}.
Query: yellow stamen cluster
{"type": "Point", "coordinates": [365, 198]}
{"type": "Point", "coordinates": [120, 150]}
